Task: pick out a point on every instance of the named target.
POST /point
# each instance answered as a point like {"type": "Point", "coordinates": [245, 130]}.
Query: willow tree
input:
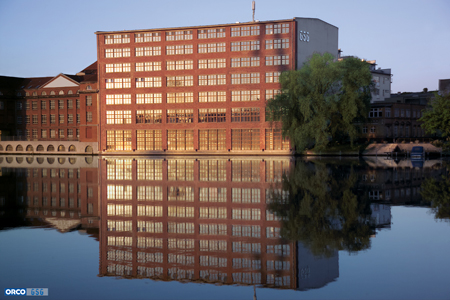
{"type": "Point", "coordinates": [437, 118]}
{"type": "Point", "coordinates": [323, 101]}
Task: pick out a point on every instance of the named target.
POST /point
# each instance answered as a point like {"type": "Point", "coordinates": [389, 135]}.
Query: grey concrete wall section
{"type": "Point", "coordinates": [80, 147]}
{"type": "Point", "coordinates": [48, 161]}
{"type": "Point", "coordinates": [315, 271]}
{"type": "Point", "coordinates": [314, 35]}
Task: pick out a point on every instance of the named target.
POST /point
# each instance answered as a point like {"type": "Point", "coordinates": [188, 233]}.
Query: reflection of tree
{"type": "Point", "coordinates": [322, 209]}
{"type": "Point", "coordinates": [437, 193]}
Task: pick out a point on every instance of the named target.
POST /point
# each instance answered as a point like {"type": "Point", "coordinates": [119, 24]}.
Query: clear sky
{"type": "Point", "coordinates": [48, 37]}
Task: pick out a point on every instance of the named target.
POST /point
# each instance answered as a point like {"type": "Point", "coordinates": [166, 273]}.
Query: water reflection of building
{"type": "Point", "coordinates": [194, 219]}
{"type": "Point", "coordinates": [397, 182]}
{"type": "Point", "coordinates": [59, 192]}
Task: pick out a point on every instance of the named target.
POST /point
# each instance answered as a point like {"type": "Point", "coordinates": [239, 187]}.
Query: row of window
{"type": "Point", "coordinates": [188, 97]}
{"type": "Point", "coordinates": [402, 113]}
{"type": "Point", "coordinates": [209, 139]}
{"type": "Point", "coordinates": [213, 63]}
{"type": "Point", "coordinates": [182, 35]}
{"type": "Point", "coordinates": [201, 48]}
{"type": "Point", "coordinates": [399, 131]}
{"type": "Point", "coordinates": [49, 133]}
{"type": "Point", "coordinates": [180, 116]}
{"type": "Point", "coordinates": [33, 105]}
{"type": "Point", "coordinates": [188, 80]}
{"type": "Point", "coordinates": [34, 119]}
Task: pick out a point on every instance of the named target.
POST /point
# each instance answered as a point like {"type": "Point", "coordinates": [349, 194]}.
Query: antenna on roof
{"type": "Point", "coordinates": [253, 8]}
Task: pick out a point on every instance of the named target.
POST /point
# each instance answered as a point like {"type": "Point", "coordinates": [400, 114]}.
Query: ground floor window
{"type": "Point", "coordinates": [118, 140]}
{"type": "Point", "coordinates": [275, 141]}
{"type": "Point", "coordinates": [212, 139]}
{"type": "Point", "coordinates": [245, 139]}
{"type": "Point", "coordinates": [149, 139]}
{"type": "Point", "coordinates": [180, 140]}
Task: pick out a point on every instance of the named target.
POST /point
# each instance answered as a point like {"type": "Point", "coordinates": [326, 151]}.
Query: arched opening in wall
{"type": "Point", "coordinates": [30, 160]}
{"type": "Point", "coordinates": [40, 148]}
{"type": "Point", "coordinates": [19, 160]}
{"type": "Point", "coordinates": [40, 160]}
{"type": "Point", "coordinates": [89, 149]}
{"type": "Point", "coordinates": [50, 160]}
{"type": "Point", "coordinates": [72, 148]}
{"type": "Point", "coordinates": [19, 148]}
{"type": "Point", "coordinates": [61, 160]}
{"type": "Point", "coordinates": [72, 160]}
{"type": "Point", "coordinates": [9, 160]}
{"type": "Point", "coordinates": [50, 148]}
{"type": "Point", "coordinates": [9, 148]}
{"type": "Point", "coordinates": [61, 148]}
{"type": "Point", "coordinates": [29, 148]}
{"type": "Point", "coordinates": [89, 160]}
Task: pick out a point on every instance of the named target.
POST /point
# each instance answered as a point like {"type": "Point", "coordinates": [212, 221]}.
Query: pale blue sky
{"type": "Point", "coordinates": [48, 37]}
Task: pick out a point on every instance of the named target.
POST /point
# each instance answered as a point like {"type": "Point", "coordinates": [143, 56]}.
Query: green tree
{"type": "Point", "coordinates": [437, 119]}
{"type": "Point", "coordinates": [322, 101]}
{"type": "Point", "coordinates": [321, 208]}
{"type": "Point", "coordinates": [437, 194]}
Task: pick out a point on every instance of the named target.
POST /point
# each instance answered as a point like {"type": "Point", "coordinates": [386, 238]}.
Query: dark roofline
{"type": "Point", "coordinates": [200, 26]}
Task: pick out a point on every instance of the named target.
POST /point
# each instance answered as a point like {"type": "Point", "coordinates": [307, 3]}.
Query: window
{"type": "Point", "coordinates": [61, 119]}
{"type": "Point", "coordinates": [147, 51]}
{"type": "Point", "coordinates": [237, 96]}
{"type": "Point", "coordinates": [43, 119]}
{"type": "Point", "coordinates": [52, 133]}
{"type": "Point", "coordinates": [149, 140]}
{"type": "Point", "coordinates": [179, 35]}
{"type": "Point", "coordinates": [61, 104]}
{"type": "Point", "coordinates": [211, 33]}
{"type": "Point", "coordinates": [89, 116]}
{"type": "Point", "coordinates": [240, 62]}
{"type": "Point", "coordinates": [34, 105]}
{"type": "Point", "coordinates": [272, 93]}
{"type": "Point", "coordinates": [177, 81]}
{"type": "Point", "coordinates": [148, 98]}
{"type": "Point", "coordinates": [70, 119]}
{"type": "Point", "coordinates": [180, 116]}
{"type": "Point", "coordinates": [78, 119]}
{"type": "Point", "coordinates": [61, 133]}
{"type": "Point", "coordinates": [148, 116]}
{"type": "Point", "coordinates": [387, 111]}
{"type": "Point", "coordinates": [118, 68]}
{"type": "Point", "coordinates": [118, 117]}
{"type": "Point", "coordinates": [245, 114]}
{"type": "Point", "coordinates": [273, 77]}
{"type": "Point", "coordinates": [245, 78]}
{"type": "Point", "coordinates": [118, 140]}
{"type": "Point", "coordinates": [180, 97]}
{"type": "Point", "coordinates": [35, 119]}
{"type": "Point", "coordinates": [245, 46]}
{"type": "Point", "coordinates": [180, 140]}
{"type": "Point", "coordinates": [277, 60]}
{"type": "Point", "coordinates": [277, 28]}
{"type": "Point", "coordinates": [27, 119]}
{"type": "Point", "coordinates": [179, 49]}
{"type": "Point", "coordinates": [372, 129]}
{"type": "Point", "coordinates": [180, 65]}
{"type": "Point", "coordinates": [212, 139]}
{"type": "Point", "coordinates": [211, 115]}
{"type": "Point", "coordinates": [375, 113]}
{"type": "Point", "coordinates": [216, 63]}
{"type": "Point", "coordinates": [148, 82]}
{"type": "Point", "coordinates": [212, 80]}
{"type": "Point", "coordinates": [275, 140]}
{"type": "Point", "coordinates": [245, 30]}
{"type": "Point", "coordinates": [78, 103]}
{"type": "Point", "coordinates": [212, 96]}
{"type": "Point", "coordinates": [364, 129]}
{"type": "Point", "coordinates": [35, 134]}
{"type": "Point", "coordinates": [118, 83]}
{"type": "Point", "coordinates": [70, 133]}
{"type": "Point", "coordinates": [117, 52]}
{"type": "Point", "coordinates": [44, 133]}
{"type": "Point", "coordinates": [147, 37]}
{"type": "Point", "coordinates": [118, 99]}
{"type": "Point", "coordinates": [277, 44]}
{"type": "Point", "coordinates": [211, 48]}
{"type": "Point", "coordinates": [52, 119]}
{"type": "Point", "coordinates": [117, 39]}
{"type": "Point", "coordinates": [245, 139]}
{"type": "Point", "coordinates": [88, 100]}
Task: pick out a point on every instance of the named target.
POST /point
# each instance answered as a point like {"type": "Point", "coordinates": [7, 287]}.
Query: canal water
{"type": "Point", "coordinates": [88, 227]}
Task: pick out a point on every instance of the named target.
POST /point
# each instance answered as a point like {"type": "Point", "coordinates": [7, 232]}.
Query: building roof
{"type": "Point", "coordinates": [206, 26]}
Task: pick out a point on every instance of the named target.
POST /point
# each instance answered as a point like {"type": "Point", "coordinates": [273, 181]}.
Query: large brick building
{"type": "Point", "coordinates": [50, 114]}
{"type": "Point", "coordinates": [200, 89]}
